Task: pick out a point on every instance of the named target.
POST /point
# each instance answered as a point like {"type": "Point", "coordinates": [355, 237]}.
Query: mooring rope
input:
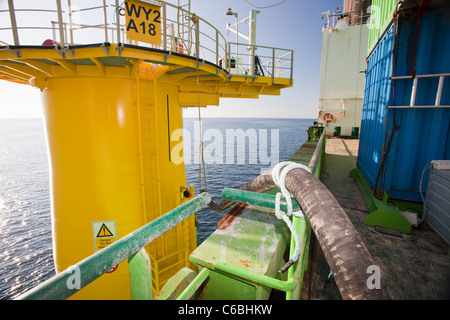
{"type": "Point", "coordinates": [279, 173]}
{"type": "Point", "coordinates": [201, 163]}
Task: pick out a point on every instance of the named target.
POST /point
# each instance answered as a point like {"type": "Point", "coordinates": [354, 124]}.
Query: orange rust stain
{"type": "Point", "coordinates": [245, 262]}
{"type": "Point", "coordinates": [227, 219]}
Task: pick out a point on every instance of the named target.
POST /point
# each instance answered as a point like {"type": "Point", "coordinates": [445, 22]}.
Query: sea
{"type": "Point", "coordinates": [235, 150]}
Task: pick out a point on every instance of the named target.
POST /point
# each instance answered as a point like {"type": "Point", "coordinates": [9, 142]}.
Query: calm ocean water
{"type": "Point", "coordinates": [25, 218]}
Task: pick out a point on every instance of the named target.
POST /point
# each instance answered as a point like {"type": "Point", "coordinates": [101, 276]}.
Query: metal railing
{"type": "Point", "coordinates": [253, 60]}
{"type": "Point", "coordinates": [68, 282]}
{"type": "Point", "coordinates": [351, 18]}
{"type": "Point", "coordinates": [71, 22]}
{"type": "Point", "coordinates": [415, 83]}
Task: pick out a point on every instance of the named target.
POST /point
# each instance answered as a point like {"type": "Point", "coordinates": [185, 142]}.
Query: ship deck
{"type": "Point", "coordinates": [414, 266]}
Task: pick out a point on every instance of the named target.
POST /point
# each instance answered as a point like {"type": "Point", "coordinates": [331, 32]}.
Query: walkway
{"type": "Point", "coordinates": [414, 266]}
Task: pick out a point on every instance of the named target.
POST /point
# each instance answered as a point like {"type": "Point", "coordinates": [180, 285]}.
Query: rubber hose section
{"type": "Point", "coordinates": [343, 248]}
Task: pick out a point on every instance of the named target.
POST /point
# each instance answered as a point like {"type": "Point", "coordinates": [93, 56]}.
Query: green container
{"type": "Point", "coordinates": [355, 132]}
{"type": "Point", "coordinates": [381, 14]}
{"type": "Point", "coordinates": [337, 131]}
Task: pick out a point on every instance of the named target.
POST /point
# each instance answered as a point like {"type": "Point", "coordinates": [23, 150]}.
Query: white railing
{"type": "Point", "coordinates": [74, 22]}
{"type": "Point", "coordinates": [415, 83]}
{"type": "Point", "coordinates": [351, 18]}
{"type": "Point", "coordinates": [253, 60]}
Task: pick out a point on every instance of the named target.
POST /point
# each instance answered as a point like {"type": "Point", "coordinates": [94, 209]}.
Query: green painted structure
{"type": "Point", "coordinates": [383, 213]}
{"type": "Point", "coordinates": [380, 18]}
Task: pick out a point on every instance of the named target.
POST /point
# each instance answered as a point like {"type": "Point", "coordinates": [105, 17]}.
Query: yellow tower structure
{"type": "Point", "coordinates": [110, 108]}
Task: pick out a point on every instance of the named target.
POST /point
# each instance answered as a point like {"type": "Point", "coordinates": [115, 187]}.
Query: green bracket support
{"type": "Point", "coordinates": [192, 288]}
{"type": "Point", "coordinates": [140, 269]}
{"type": "Point", "coordinates": [175, 286]}
{"type": "Point", "coordinates": [382, 212]}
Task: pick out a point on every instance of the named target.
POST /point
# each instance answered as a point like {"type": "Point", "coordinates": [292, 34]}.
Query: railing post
{"type": "Point", "coordinates": [12, 15]}
{"type": "Point", "coordinates": [197, 39]}
{"type": "Point", "coordinates": [252, 60]}
{"type": "Point", "coordinates": [217, 47]}
{"type": "Point", "coordinates": [273, 65]}
{"type": "Point", "coordinates": [164, 31]}
{"type": "Point", "coordinates": [292, 66]}
{"type": "Point", "coordinates": [69, 5]}
{"type": "Point", "coordinates": [53, 31]}
{"type": "Point", "coordinates": [278, 67]}
{"type": "Point", "coordinates": [60, 24]}
{"type": "Point", "coordinates": [118, 21]}
{"type": "Point", "coordinates": [106, 20]}
{"type": "Point", "coordinates": [228, 58]}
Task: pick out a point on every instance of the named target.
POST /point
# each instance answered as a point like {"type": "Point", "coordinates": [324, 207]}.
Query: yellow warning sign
{"type": "Point", "coordinates": [143, 21]}
{"type": "Point", "coordinates": [104, 233]}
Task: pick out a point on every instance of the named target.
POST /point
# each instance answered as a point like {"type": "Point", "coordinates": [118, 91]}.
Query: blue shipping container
{"type": "Point", "coordinates": [393, 157]}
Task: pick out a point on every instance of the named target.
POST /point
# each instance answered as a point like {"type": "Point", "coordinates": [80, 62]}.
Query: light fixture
{"type": "Point", "coordinates": [230, 12]}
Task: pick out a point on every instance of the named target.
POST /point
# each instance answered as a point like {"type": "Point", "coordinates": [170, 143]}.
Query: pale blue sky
{"type": "Point", "coordinates": [295, 24]}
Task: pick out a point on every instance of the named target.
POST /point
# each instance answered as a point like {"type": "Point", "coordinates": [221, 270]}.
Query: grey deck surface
{"type": "Point", "coordinates": [414, 266]}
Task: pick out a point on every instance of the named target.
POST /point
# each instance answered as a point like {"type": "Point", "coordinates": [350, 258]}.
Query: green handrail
{"type": "Point", "coordinates": [255, 198]}
{"type": "Point", "coordinates": [61, 287]}
{"type": "Point", "coordinates": [192, 288]}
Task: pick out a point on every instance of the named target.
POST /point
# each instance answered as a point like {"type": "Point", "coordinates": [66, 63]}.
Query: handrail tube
{"type": "Point", "coordinates": [259, 46]}
{"type": "Point", "coordinates": [100, 262]}
{"type": "Point", "coordinates": [317, 157]}
{"type": "Point", "coordinates": [255, 198]}
{"type": "Point", "coordinates": [192, 288]}
{"type": "Point", "coordinates": [31, 10]}
{"type": "Point", "coordinates": [273, 283]}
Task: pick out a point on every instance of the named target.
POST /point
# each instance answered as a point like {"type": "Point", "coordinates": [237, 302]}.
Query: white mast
{"type": "Point", "coordinates": [251, 38]}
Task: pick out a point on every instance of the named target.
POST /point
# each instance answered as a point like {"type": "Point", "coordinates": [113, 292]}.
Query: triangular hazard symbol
{"type": "Point", "coordinates": [104, 232]}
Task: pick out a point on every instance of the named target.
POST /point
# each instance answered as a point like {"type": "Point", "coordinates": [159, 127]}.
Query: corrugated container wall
{"type": "Point", "coordinates": [392, 158]}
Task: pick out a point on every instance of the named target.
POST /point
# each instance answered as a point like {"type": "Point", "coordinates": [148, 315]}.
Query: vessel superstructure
{"type": "Point", "coordinates": [342, 70]}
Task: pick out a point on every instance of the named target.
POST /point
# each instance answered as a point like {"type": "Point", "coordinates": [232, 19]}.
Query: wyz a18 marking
{"type": "Point", "coordinates": [143, 22]}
